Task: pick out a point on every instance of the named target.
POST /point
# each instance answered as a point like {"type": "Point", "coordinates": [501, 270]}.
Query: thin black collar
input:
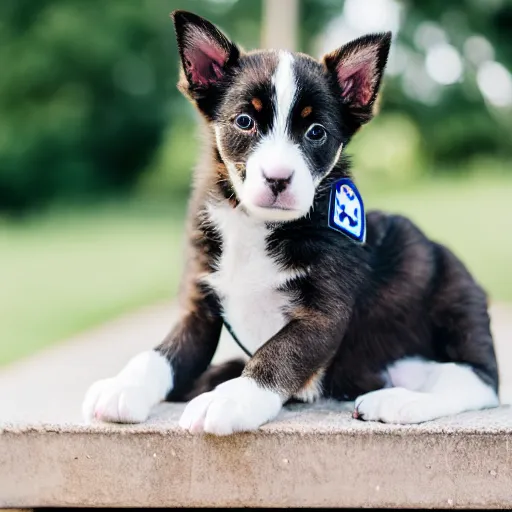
{"type": "Point", "coordinates": [233, 335]}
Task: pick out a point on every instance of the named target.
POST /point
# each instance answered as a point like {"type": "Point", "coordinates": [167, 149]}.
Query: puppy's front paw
{"type": "Point", "coordinates": [129, 396]}
{"type": "Point", "coordinates": [235, 406]}
{"type": "Point", "coordinates": [395, 405]}
{"type": "Point", "coordinates": [116, 401]}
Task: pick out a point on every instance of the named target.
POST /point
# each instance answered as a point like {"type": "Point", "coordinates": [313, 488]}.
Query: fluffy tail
{"type": "Point", "coordinates": [215, 375]}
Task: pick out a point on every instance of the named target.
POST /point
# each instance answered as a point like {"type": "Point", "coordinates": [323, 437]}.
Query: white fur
{"type": "Point", "coordinates": [129, 396]}
{"type": "Point", "coordinates": [276, 151]}
{"type": "Point", "coordinates": [286, 87]}
{"type": "Point", "coordinates": [246, 278]}
{"type": "Point", "coordinates": [234, 406]}
{"type": "Point", "coordinates": [272, 214]}
{"type": "Point", "coordinates": [411, 373]}
{"type": "Point", "coordinates": [254, 184]}
{"type": "Point", "coordinates": [312, 391]}
{"type": "Point", "coordinates": [426, 390]}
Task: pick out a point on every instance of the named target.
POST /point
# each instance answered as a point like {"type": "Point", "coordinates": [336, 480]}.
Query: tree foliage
{"type": "Point", "coordinates": [459, 124]}
{"type": "Point", "coordinates": [87, 88]}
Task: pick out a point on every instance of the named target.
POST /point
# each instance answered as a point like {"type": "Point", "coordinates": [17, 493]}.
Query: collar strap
{"type": "Point", "coordinates": [233, 335]}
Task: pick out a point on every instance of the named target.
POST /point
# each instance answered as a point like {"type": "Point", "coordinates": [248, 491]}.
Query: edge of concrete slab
{"type": "Point", "coordinates": [310, 456]}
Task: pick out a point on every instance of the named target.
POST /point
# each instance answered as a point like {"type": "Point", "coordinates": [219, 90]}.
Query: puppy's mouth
{"type": "Point", "coordinates": [275, 204]}
{"type": "Point", "coordinates": [273, 213]}
{"type": "Point", "coordinates": [277, 207]}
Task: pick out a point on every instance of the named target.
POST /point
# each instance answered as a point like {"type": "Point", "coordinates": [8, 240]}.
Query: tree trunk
{"type": "Point", "coordinates": [280, 24]}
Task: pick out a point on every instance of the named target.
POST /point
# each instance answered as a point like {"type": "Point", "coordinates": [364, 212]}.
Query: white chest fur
{"type": "Point", "coordinates": [247, 278]}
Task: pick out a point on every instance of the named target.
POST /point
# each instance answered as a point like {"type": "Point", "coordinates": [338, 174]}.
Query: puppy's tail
{"type": "Point", "coordinates": [215, 375]}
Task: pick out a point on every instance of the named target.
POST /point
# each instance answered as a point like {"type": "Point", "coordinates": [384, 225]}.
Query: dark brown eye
{"type": "Point", "coordinates": [316, 133]}
{"type": "Point", "coordinates": [244, 122]}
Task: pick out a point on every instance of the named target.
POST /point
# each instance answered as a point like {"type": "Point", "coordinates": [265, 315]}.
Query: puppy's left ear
{"type": "Point", "coordinates": [357, 69]}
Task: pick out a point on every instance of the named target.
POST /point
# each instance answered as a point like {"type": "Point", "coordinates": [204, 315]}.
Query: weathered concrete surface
{"type": "Point", "coordinates": [314, 456]}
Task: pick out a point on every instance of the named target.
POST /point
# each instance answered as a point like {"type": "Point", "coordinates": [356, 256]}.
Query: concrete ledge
{"type": "Point", "coordinates": [311, 456]}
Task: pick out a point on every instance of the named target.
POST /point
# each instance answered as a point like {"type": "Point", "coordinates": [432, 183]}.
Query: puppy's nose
{"type": "Point", "coordinates": [277, 179]}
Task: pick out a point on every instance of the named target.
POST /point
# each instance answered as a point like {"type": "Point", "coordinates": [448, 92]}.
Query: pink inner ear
{"type": "Point", "coordinates": [204, 62]}
{"type": "Point", "coordinates": [356, 81]}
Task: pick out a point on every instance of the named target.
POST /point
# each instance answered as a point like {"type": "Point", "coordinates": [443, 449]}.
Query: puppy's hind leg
{"type": "Point", "coordinates": [466, 380]}
{"type": "Point", "coordinates": [426, 390]}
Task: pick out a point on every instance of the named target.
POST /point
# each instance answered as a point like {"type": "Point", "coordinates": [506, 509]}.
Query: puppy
{"type": "Point", "coordinates": [328, 301]}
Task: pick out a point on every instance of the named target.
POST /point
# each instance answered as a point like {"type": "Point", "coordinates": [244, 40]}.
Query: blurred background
{"type": "Point", "coordinates": [97, 144]}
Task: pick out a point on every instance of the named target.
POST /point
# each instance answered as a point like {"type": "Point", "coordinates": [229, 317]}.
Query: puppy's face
{"type": "Point", "coordinates": [276, 133]}
{"type": "Point", "coordinates": [280, 120]}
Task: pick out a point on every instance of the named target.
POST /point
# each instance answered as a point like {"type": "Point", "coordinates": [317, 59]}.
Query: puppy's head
{"type": "Point", "coordinates": [280, 119]}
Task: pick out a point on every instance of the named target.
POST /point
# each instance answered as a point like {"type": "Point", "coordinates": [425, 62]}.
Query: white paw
{"type": "Point", "coordinates": [395, 405]}
{"type": "Point", "coordinates": [116, 401]}
{"type": "Point", "coordinates": [129, 396]}
{"type": "Point", "coordinates": [235, 406]}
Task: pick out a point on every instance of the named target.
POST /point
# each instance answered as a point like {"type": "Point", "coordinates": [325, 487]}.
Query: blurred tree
{"type": "Point", "coordinates": [87, 89]}
{"type": "Point", "coordinates": [81, 96]}
{"type": "Point", "coordinates": [459, 123]}
{"type": "Point", "coordinates": [456, 120]}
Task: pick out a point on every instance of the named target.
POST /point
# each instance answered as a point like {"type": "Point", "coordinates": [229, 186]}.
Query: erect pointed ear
{"type": "Point", "coordinates": [205, 52]}
{"type": "Point", "coordinates": [357, 69]}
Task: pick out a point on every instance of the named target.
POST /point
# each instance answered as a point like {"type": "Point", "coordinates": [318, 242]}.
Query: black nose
{"type": "Point", "coordinates": [277, 185]}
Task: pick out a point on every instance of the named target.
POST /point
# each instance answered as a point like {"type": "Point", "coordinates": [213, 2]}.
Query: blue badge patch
{"type": "Point", "coordinates": [346, 210]}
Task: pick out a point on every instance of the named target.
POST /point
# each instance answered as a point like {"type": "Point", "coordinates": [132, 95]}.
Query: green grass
{"type": "Point", "coordinates": [71, 270]}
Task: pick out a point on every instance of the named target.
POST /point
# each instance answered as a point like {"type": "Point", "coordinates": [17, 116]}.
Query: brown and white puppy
{"type": "Point", "coordinates": [391, 319]}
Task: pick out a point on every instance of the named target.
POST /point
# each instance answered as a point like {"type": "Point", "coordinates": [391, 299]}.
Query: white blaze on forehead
{"type": "Point", "coordinates": [286, 87]}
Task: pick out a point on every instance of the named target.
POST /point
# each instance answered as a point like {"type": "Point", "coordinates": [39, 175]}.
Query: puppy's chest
{"type": "Point", "coordinates": [247, 278]}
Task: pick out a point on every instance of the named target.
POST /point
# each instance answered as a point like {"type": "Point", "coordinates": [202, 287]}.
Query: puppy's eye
{"type": "Point", "coordinates": [244, 122]}
{"type": "Point", "coordinates": [316, 132]}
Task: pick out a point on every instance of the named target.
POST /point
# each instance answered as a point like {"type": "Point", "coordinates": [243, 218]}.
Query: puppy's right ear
{"type": "Point", "coordinates": [206, 55]}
